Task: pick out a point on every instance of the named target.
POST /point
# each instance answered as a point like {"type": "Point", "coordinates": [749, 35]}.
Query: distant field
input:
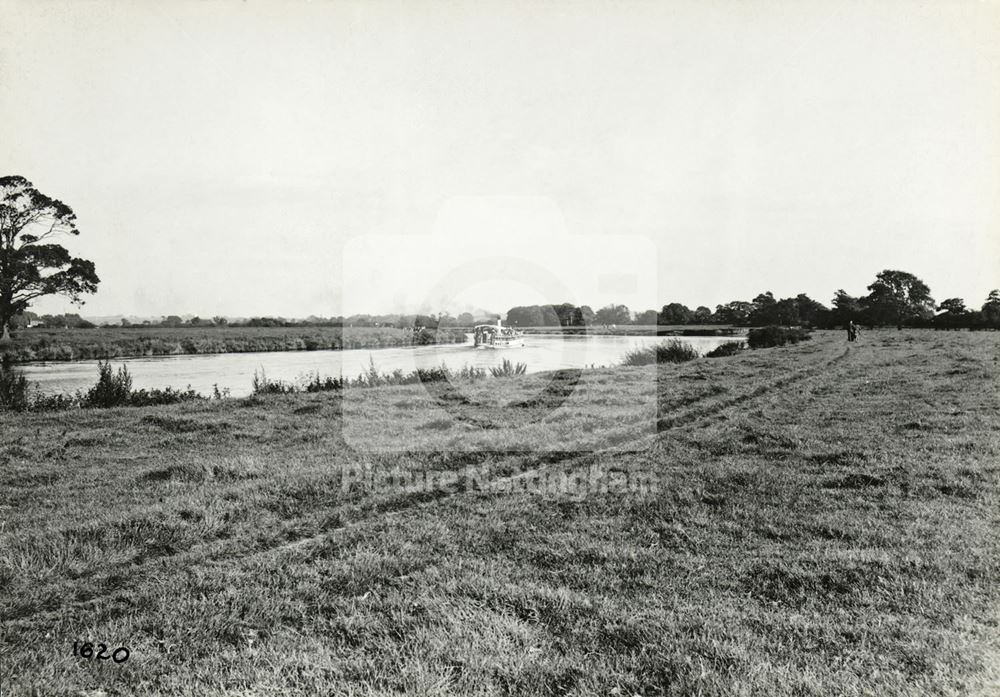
{"type": "Point", "coordinates": [822, 519]}
{"type": "Point", "coordinates": [80, 344]}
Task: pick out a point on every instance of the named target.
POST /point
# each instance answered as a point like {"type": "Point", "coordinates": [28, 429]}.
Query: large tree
{"type": "Point", "coordinates": [583, 316]}
{"type": "Point", "coordinates": [765, 311]}
{"type": "Point", "coordinates": [735, 312]}
{"type": "Point", "coordinates": [565, 311]}
{"type": "Point", "coordinates": [991, 309]}
{"type": "Point", "coordinates": [645, 318]}
{"type": "Point", "coordinates": [675, 313]}
{"type": "Point", "coordinates": [31, 264]}
{"type": "Point", "coordinates": [702, 315]}
{"type": "Point", "coordinates": [811, 312]}
{"type": "Point", "coordinates": [953, 306]}
{"type": "Point", "coordinates": [525, 316]}
{"type": "Point", "coordinates": [847, 308]}
{"type": "Point", "coordinates": [613, 314]}
{"type": "Point", "coordinates": [954, 314]}
{"type": "Point", "coordinates": [898, 297]}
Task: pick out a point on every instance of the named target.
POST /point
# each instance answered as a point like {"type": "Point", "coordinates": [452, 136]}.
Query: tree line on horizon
{"type": "Point", "coordinates": [416, 321]}
{"type": "Point", "coordinates": [895, 298]}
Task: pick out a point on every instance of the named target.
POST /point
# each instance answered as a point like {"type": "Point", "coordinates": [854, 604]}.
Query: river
{"type": "Point", "coordinates": [234, 371]}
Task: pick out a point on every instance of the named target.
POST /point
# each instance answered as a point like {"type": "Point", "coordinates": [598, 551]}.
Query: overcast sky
{"type": "Point", "coordinates": [234, 157]}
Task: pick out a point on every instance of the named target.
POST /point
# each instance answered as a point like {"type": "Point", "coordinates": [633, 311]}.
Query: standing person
{"type": "Point", "coordinates": [852, 331]}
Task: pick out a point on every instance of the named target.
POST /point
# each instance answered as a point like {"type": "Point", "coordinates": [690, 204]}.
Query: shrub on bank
{"type": "Point", "coordinates": [56, 402]}
{"type": "Point", "coordinates": [157, 397]}
{"type": "Point", "coordinates": [441, 374]}
{"type": "Point", "coordinates": [672, 351]}
{"type": "Point", "coordinates": [767, 337]}
{"type": "Point", "coordinates": [639, 357]}
{"type": "Point", "coordinates": [472, 373]}
{"type": "Point", "coordinates": [112, 389]}
{"type": "Point", "coordinates": [730, 348]}
{"type": "Point", "coordinates": [316, 383]}
{"type": "Point", "coordinates": [13, 386]}
{"type": "Point", "coordinates": [675, 352]}
{"type": "Point", "coordinates": [263, 385]}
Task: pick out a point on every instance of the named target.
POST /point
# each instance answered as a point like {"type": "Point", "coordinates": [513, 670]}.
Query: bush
{"type": "Point", "coordinates": [157, 397]}
{"type": "Point", "coordinates": [471, 373]}
{"type": "Point", "coordinates": [637, 356]}
{"type": "Point", "coordinates": [673, 351]}
{"type": "Point", "coordinates": [262, 385]}
{"type": "Point", "coordinates": [730, 348]}
{"type": "Point", "coordinates": [766, 337]}
{"type": "Point", "coordinates": [506, 369]}
{"type": "Point", "coordinates": [56, 402]}
{"type": "Point", "coordinates": [112, 389]}
{"type": "Point", "coordinates": [316, 383]}
{"type": "Point", "coordinates": [372, 377]}
{"type": "Point", "coordinates": [13, 387]}
{"type": "Point", "coordinates": [441, 374]}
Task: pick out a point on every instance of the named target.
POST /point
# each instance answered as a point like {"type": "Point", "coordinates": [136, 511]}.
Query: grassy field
{"type": "Point", "coordinates": [822, 519]}
{"type": "Point", "coordinates": [88, 344]}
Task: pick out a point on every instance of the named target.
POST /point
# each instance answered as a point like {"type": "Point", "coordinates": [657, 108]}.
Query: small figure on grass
{"type": "Point", "coordinates": [852, 331]}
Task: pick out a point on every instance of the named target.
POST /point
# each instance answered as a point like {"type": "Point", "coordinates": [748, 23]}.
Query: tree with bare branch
{"type": "Point", "coordinates": [31, 264]}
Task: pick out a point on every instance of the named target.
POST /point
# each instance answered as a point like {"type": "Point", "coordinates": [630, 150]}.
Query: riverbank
{"type": "Point", "coordinates": [134, 342]}
{"type": "Point", "coordinates": [819, 518]}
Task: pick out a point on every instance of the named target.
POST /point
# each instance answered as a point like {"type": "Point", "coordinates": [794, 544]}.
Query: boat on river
{"type": "Point", "coordinates": [496, 336]}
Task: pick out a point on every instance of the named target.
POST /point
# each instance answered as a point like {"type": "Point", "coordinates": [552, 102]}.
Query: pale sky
{"type": "Point", "coordinates": [236, 157]}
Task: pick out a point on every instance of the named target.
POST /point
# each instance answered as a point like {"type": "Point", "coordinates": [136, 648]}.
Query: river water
{"type": "Point", "coordinates": [234, 371]}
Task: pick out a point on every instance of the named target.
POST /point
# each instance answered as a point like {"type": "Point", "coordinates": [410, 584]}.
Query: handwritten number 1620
{"type": "Point", "coordinates": [86, 650]}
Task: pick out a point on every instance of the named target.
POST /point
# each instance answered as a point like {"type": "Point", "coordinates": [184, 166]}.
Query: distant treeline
{"type": "Point", "coordinates": [397, 321]}
{"type": "Point", "coordinates": [895, 298]}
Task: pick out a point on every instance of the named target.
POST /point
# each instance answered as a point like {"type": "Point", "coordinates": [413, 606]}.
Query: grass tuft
{"type": "Point", "coordinates": [506, 369]}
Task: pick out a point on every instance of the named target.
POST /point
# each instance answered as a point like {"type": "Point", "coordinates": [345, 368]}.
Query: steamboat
{"type": "Point", "coordinates": [496, 336]}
